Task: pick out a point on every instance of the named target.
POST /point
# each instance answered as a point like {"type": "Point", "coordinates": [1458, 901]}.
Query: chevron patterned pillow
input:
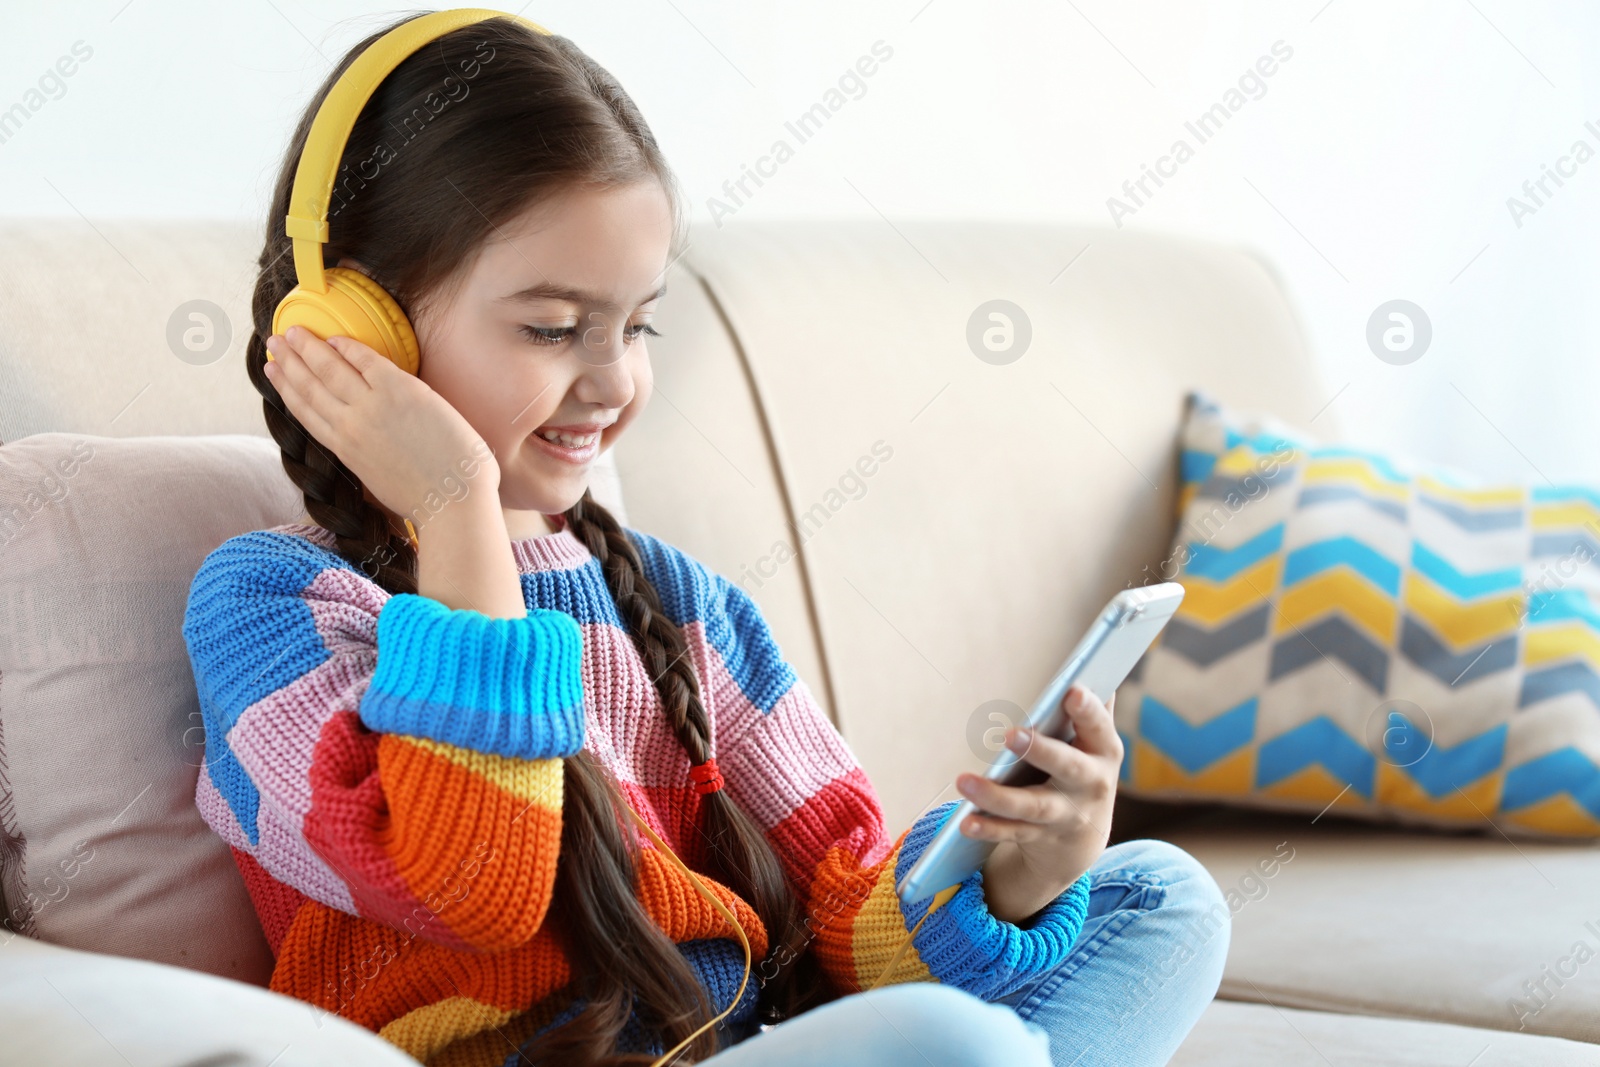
{"type": "Point", "coordinates": [1372, 637]}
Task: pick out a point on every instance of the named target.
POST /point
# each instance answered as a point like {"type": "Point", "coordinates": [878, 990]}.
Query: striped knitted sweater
{"type": "Point", "coordinates": [388, 774]}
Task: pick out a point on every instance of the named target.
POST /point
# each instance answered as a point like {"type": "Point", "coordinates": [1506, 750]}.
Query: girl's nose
{"type": "Point", "coordinates": [603, 343]}
{"type": "Point", "coordinates": [607, 378]}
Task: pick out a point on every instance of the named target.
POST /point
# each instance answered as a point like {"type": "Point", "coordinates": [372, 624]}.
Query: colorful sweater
{"type": "Point", "coordinates": [388, 774]}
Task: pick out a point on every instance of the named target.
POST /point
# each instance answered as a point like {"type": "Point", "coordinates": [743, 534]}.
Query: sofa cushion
{"type": "Point", "coordinates": [61, 1007]}
{"type": "Point", "coordinates": [1451, 926]}
{"type": "Point", "coordinates": [101, 845]}
{"type": "Point", "coordinates": [1235, 1034]}
{"type": "Point", "coordinates": [100, 540]}
{"type": "Point", "coordinates": [1385, 638]}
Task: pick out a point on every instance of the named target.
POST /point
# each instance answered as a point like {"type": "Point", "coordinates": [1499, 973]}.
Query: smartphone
{"type": "Point", "coordinates": [1113, 644]}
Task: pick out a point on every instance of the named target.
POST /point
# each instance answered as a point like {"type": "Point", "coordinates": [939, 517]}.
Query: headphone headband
{"type": "Point", "coordinates": [309, 200]}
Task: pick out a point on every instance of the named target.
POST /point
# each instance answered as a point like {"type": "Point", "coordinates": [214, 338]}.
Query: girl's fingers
{"type": "Point", "coordinates": [363, 359]}
{"type": "Point", "coordinates": [342, 381]}
{"type": "Point", "coordinates": [1044, 803]}
{"type": "Point", "coordinates": [1051, 755]}
{"type": "Point", "coordinates": [992, 828]}
{"type": "Point", "coordinates": [311, 394]}
{"type": "Point", "coordinates": [284, 380]}
{"type": "Point", "coordinates": [1094, 729]}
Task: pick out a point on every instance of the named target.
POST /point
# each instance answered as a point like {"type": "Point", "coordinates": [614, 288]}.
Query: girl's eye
{"type": "Point", "coordinates": [554, 335]}
{"type": "Point", "coordinates": [546, 335]}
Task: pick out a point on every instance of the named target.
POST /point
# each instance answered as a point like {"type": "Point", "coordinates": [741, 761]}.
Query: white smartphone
{"type": "Point", "coordinates": [1115, 641]}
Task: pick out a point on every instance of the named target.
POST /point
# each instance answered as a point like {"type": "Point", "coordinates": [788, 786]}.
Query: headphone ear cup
{"type": "Point", "coordinates": [354, 306]}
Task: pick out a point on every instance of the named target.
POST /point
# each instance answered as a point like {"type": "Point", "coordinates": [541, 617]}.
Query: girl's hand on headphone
{"type": "Point", "coordinates": [1052, 832]}
{"type": "Point", "coordinates": [395, 433]}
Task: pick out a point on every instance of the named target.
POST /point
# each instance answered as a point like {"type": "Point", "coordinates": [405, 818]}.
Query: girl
{"type": "Point", "coordinates": [434, 705]}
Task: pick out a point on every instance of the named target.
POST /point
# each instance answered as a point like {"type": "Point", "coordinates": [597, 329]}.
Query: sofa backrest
{"type": "Point", "coordinates": [926, 522]}
{"type": "Point", "coordinates": [1006, 501]}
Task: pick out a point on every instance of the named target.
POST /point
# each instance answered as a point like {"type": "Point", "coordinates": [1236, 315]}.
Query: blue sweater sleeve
{"type": "Point", "coordinates": [964, 945]}
{"type": "Point", "coordinates": [510, 687]}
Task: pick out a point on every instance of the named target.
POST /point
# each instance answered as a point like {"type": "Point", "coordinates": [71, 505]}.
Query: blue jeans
{"type": "Point", "coordinates": [1146, 964]}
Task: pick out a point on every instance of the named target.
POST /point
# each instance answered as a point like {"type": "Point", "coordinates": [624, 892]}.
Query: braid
{"type": "Point", "coordinates": [737, 850]}
{"type": "Point", "coordinates": [659, 641]}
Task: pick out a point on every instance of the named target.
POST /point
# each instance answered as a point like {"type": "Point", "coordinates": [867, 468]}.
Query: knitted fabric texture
{"type": "Point", "coordinates": [388, 774]}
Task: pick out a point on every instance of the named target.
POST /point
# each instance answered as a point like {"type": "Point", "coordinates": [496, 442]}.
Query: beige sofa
{"type": "Point", "coordinates": [926, 531]}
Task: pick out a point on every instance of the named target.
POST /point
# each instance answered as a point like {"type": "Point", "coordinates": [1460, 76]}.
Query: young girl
{"type": "Point", "coordinates": [424, 750]}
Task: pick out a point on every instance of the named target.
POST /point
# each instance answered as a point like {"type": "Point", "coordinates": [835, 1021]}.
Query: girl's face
{"type": "Point", "coordinates": [547, 331]}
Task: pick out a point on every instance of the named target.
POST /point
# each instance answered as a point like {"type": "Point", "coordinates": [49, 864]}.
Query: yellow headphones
{"type": "Point", "coordinates": [341, 302]}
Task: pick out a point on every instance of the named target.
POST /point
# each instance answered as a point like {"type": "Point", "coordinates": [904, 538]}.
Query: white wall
{"type": "Point", "coordinates": [1376, 165]}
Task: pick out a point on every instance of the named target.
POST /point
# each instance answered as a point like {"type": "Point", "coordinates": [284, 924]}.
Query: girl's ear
{"type": "Point", "coordinates": [353, 265]}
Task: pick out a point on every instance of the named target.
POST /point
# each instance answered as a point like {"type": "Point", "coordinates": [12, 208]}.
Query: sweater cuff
{"type": "Point", "coordinates": [964, 945]}
{"type": "Point", "coordinates": [508, 687]}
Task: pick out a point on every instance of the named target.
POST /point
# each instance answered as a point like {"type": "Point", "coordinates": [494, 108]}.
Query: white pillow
{"type": "Point", "coordinates": [100, 538]}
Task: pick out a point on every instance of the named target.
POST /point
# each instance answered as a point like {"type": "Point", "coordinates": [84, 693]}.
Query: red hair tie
{"type": "Point", "coordinates": [706, 777]}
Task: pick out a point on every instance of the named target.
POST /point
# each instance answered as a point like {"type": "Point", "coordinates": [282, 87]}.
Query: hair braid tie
{"type": "Point", "coordinates": [705, 776]}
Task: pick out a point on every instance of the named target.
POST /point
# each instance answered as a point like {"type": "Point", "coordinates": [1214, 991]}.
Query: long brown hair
{"type": "Point", "coordinates": [537, 115]}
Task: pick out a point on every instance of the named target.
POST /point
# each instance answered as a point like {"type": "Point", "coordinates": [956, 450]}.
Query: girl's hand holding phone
{"type": "Point", "coordinates": [1049, 833]}
{"type": "Point", "coordinates": [394, 432]}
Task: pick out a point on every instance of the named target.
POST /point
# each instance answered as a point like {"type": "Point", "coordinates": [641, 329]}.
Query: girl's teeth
{"type": "Point", "coordinates": [570, 440]}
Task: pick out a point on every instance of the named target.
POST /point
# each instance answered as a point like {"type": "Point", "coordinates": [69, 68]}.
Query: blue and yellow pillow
{"type": "Point", "coordinates": [1369, 638]}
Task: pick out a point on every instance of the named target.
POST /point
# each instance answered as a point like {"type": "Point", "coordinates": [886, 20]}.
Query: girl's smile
{"type": "Point", "coordinates": [577, 445]}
